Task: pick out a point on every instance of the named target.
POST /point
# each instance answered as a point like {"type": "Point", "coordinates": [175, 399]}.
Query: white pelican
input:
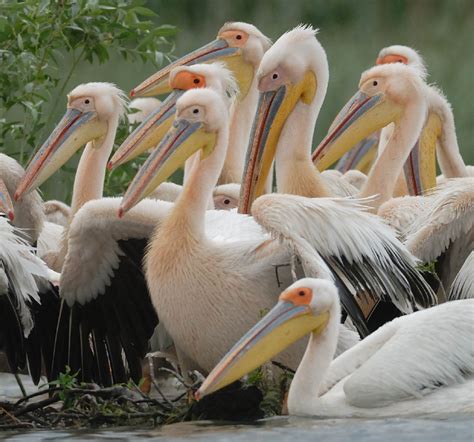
{"type": "Point", "coordinates": [241, 46]}
{"type": "Point", "coordinates": [419, 364]}
{"type": "Point", "coordinates": [395, 93]}
{"type": "Point", "coordinates": [363, 154]}
{"type": "Point", "coordinates": [207, 283]}
{"type": "Point", "coordinates": [181, 78]}
{"type": "Point", "coordinates": [293, 76]}
{"type": "Point", "coordinates": [92, 117]}
{"type": "Point", "coordinates": [27, 215]}
{"type": "Point", "coordinates": [28, 301]}
{"type": "Point", "coordinates": [119, 315]}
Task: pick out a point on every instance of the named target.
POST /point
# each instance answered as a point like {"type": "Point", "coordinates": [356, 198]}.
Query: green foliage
{"type": "Point", "coordinates": [44, 42]}
{"type": "Point", "coordinates": [66, 381]}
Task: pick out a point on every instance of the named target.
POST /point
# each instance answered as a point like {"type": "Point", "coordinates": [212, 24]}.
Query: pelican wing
{"type": "Point", "coordinates": [28, 304]}
{"type": "Point", "coordinates": [463, 285]}
{"type": "Point", "coordinates": [408, 357]}
{"type": "Point", "coordinates": [361, 251]}
{"type": "Point", "coordinates": [106, 307]}
{"type": "Point", "coordinates": [450, 216]}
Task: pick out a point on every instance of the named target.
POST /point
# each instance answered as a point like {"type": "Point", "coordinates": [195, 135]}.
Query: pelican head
{"type": "Point", "coordinates": [303, 308]}
{"type": "Point", "coordinates": [6, 205]}
{"type": "Point", "coordinates": [404, 55]}
{"type": "Point", "coordinates": [385, 93]}
{"type": "Point", "coordinates": [286, 77]}
{"type": "Point", "coordinates": [240, 45]}
{"type": "Point", "coordinates": [201, 114]}
{"type": "Point", "coordinates": [215, 76]}
{"type": "Point", "coordinates": [92, 108]}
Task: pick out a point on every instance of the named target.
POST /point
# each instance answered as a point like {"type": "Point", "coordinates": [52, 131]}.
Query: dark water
{"type": "Point", "coordinates": [280, 429]}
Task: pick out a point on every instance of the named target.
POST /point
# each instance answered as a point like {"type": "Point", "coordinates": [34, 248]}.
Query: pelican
{"type": "Point", "coordinates": [362, 156]}
{"type": "Point", "coordinates": [181, 78]}
{"type": "Point", "coordinates": [419, 364]}
{"type": "Point", "coordinates": [116, 313]}
{"type": "Point", "coordinates": [28, 301]}
{"type": "Point", "coordinates": [206, 281]}
{"type": "Point", "coordinates": [241, 46]}
{"type": "Point", "coordinates": [28, 214]}
{"type": "Point", "coordinates": [92, 117]}
{"type": "Point", "coordinates": [293, 77]}
{"type": "Point", "coordinates": [394, 93]}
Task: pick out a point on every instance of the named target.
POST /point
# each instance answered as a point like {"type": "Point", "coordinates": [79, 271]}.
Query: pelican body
{"type": "Point", "coordinates": [419, 364]}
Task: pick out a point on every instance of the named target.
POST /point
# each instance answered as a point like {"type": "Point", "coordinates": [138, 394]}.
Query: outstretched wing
{"type": "Point", "coordinates": [106, 310]}
{"type": "Point", "coordinates": [362, 252]}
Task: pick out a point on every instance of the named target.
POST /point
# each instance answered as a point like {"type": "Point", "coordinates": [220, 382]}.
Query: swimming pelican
{"type": "Point", "coordinates": [115, 313]}
{"type": "Point", "coordinates": [418, 364]}
{"type": "Point", "coordinates": [203, 279]}
{"type": "Point", "coordinates": [241, 46]}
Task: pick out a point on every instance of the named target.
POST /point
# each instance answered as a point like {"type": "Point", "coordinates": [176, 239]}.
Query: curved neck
{"type": "Point", "coordinates": [190, 208]}
{"type": "Point", "coordinates": [388, 165]}
{"type": "Point", "coordinates": [295, 172]}
{"type": "Point", "coordinates": [450, 160]}
{"type": "Point", "coordinates": [239, 132]}
{"type": "Point", "coordinates": [304, 389]}
{"type": "Point", "coordinates": [90, 174]}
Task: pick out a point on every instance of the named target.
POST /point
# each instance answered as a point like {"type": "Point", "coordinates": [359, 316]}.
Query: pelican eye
{"type": "Point", "coordinates": [301, 293]}
{"type": "Point", "coordinates": [275, 76]}
{"type": "Point", "coordinates": [375, 83]}
{"type": "Point", "coordinates": [87, 101]}
{"type": "Point", "coordinates": [196, 81]}
{"type": "Point", "coordinates": [227, 201]}
{"type": "Point", "coordinates": [195, 111]}
{"type": "Point", "coordinates": [238, 37]}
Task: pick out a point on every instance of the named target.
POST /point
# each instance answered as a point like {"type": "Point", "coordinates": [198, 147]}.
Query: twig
{"type": "Point", "coordinates": [283, 367]}
{"type": "Point", "coordinates": [36, 406]}
{"type": "Point", "coordinates": [38, 393]}
{"type": "Point", "coordinates": [20, 384]}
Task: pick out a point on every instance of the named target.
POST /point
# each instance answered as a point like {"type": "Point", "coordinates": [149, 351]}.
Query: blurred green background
{"type": "Point", "coordinates": [351, 31]}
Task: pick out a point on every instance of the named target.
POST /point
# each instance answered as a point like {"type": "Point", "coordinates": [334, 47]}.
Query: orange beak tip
{"type": "Point", "coordinates": [197, 396]}
{"type": "Point", "coordinates": [16, 197]}
{"type": "Point", "coordinates": [132, 93]}
{"type": "Point", "coordinates": [121, 212]}
{"type": "Point", "coordinates": [11, 215]}
{"type": "Point", "coordinates": [110, 165]}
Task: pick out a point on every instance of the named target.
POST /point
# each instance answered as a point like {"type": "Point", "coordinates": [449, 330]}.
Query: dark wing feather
{"type": "Point", "coordinates": [117, 323]}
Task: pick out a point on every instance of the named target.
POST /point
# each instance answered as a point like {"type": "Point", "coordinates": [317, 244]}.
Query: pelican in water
{"type": "Point", "coordinates": [241, 46]}
{"type": "Point", "coordinates": [419, 364]}
{"type": "Point", "coordinates": [105, 301]}
{"type": "Point", "coordinates": [28, 300]}
{"type": "Point", "coordinates": [293, 77]}
{"type": "Point", "coordinates": [206, 281]}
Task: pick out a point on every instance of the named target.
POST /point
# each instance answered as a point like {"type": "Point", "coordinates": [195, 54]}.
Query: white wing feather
{"type": "Point", "coordinates": [408, 357]}
{"type": "Point", "coordinates": [23, 268]}
{"type": "Point", "coordinates": [463, 284]}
